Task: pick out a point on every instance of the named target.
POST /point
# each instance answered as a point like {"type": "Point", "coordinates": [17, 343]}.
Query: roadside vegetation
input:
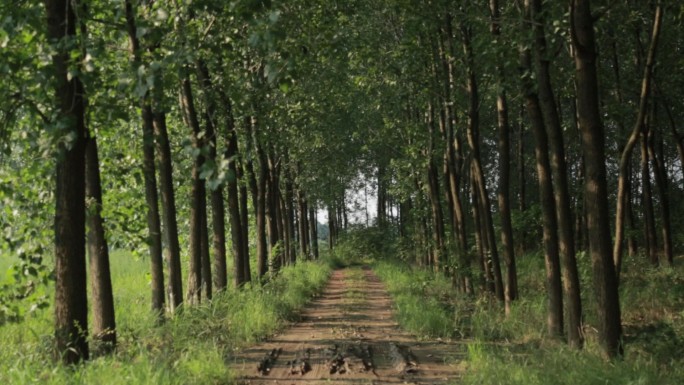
{"type": "Point", "coordinates": [193, 347]}
{"type": "Point", "coordinates": [516, 349]}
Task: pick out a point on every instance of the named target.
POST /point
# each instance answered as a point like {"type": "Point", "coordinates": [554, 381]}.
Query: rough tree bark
{"type": "Point", "coordinates": [503, 194]}
{"type": "Point", "coordinates": [104, 321]}
{"type": "Point", "coordinates": [197, 193]}
{"type": "Point", "coordinates": [554, 130]}
{"type": "Point", "coordinates": [554, 320]}
{"type": "Point", "coordinates": [595, 185]}
{"type": "Point", "coordinates": [71, 303]}
{"type": "Point", "coordinates": [168, 200]}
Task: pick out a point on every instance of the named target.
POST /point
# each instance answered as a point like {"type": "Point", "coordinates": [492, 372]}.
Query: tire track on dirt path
{"type": "Point", "coordinates": [348, 336]}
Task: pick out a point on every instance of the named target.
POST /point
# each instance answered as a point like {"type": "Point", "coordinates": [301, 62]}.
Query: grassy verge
{"type": "Point", "coordinates": [420, 299]}
{"type": "Point", "coordinates": [515, 349]}
{"type": "Point", "coordinates": [191, 348]}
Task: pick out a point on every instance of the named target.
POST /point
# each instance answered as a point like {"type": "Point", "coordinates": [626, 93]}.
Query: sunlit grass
{"type": "Point", "coordinates": [515, 349]}
{"type": "Point", "coordinates": [416, 295]}
{"type": "Point", "coordinates": [190, 348]}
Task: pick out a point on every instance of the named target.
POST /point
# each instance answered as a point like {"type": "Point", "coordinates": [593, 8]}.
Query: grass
{"type": "Point", "coordinates": [419, 299]}
{"type": "Point", "coordinates": [191, 348]}
{"type": "Point", "coordinates": [516, 350]}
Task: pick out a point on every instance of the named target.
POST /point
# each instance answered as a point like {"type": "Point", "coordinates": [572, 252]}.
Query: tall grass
{"type": "Point", "coordinates": [191, 348]}
{"type": "Point", "coordinates": [419, 299]}
{"type": "Point", "coordinates": [515, 349]}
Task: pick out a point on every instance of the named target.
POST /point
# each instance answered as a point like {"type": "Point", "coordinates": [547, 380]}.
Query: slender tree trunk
{"type": "Point", "coordinates": [220, 279]}
{"type": "Point", "coordinates": [244, 221]}
{"type": "Point", "coordinates": [104, 322]}
{"type": "Point", "coordinates": [313, 223]}
{"type": "Point", "coordinates": [595, 185]}
{"type": "Point", "coordinates": [197, 208]}
{"type": "Point", "coordinates": [554, 130]}
{"type": "Point", "coordinates": [149, 173]}
{"type": "Point", "coordinates": [71, 303]}
{"type": "Point", "coordinates": [261, 207]}
{"type": "Point", "coordinates": [207, 286]}
{"type": "Point", "coordinates": [435, 203]}
{"type": "Point", "coordinates": [503, 195]}
{"type": "Point", "coordinates": [437, 219]}
{"type": "Point", "coordinates": [472, 134]}
{"type": "Point", "coordinates": [554, 318]}
{"type": "Point", "coordinates": [650, 237]}
{"type": "Point", "coordinates": [660, 175]}
{"type": "Point", "coordinates": [523, 241]}
{"type": "Point", "coordinates": [453, 153]}
{"type": "Point", "coordinates": [486, 279]}
{"type": "Point", "coordinates": [631, 142]}
{"type": "Point", "coordinates": [331, 226]}
{"type": "Point", "coordinates": [234, 202]}
{"type": "Point", "coordinates": [168, 200]}
{"type": "Point", "coordinates": [290, 219]}
{"type": "Point", "coordinates": [303, 225]}
{"type": "Point", "coordinates": [272, 215]}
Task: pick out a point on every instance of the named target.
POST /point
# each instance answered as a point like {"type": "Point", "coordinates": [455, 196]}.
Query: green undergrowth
{"type": "Point", "coordinates": [191, 348]}
{"type": "Point", "coordinates": [517, 350]}
{"type": "Point", "coordinates": [420, 299]}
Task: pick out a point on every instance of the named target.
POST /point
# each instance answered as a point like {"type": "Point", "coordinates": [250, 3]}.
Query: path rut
{"type": "Point", "coordinates": [348, 336]}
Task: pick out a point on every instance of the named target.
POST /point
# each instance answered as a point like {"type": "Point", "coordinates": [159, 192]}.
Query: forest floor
{"type": "Point", "coordinates": [348, 336]}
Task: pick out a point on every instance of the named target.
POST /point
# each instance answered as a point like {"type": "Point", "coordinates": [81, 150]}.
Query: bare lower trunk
{"type": "Point", "coordinates": [503, 195]}
{"type": "Point", "coordinates": [104, 323]}
{"type": "Point", "coordinates": [71, 304]}
{"type": "Point", "coordinates": [197, 194]}
{"type": "Point", "coordinates": [554, 318]}
{"type": "Point", "coordinates": [554, 130]}
{"type": "Point", "coordinates": [595, 185]}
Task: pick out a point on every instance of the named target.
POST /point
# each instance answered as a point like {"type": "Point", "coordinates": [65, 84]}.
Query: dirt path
{"type": "Point", "coordinates": [348, 336]}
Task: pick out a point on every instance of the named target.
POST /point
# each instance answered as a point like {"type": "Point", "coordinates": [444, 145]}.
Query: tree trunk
{"type": "Point", "coordinates": [303, 222]}
{"type": "Point", "coordinates": [170, 229]}
{"type": "Point", "coordinates": [660, 174]}
{"type": "Point", "coordinates": [71, 304]}
{"type": "Point", "coordinates": [486, 279]}
{"type": "Point", "coordinates": [244, 221]}
{"type": "Point", "coordinates": [151, 195]}
{"type": "Point", "coordinates": [104, 322]}
{"type": "Point", "coordinates": [650, 237]}
{"type": "Point", "coordinates": [631, 142]}
{"type": "Point", "coordinates": [197, 209]}
{"type": "Point", "coordinates": [218, 211]}
{"type": "Point", "coordinates": [236, 236]}
{"type": "Point", "coordinates": [261, 207]}
{"type": "Point", "coordinates": [554, 318]}
{"type": "Point", "coordinates": [313, 223]}
{"type": "Point", "coordinates": [559, 168]}
{"type": "Point", "coordinates": [511, 287]}
{"type": "Point", "coordinates": [435, 203]}
{"type": "Point", "coordinates": [452, 151]}
{"type": "Point", "coordinates": [595, 185]}
{"type": "Point", "coordinates": [472, 134]}
{"type": "Point", "coordinates": [272, 215]}
{"type": "Point", "coordinates": [289, 217]}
